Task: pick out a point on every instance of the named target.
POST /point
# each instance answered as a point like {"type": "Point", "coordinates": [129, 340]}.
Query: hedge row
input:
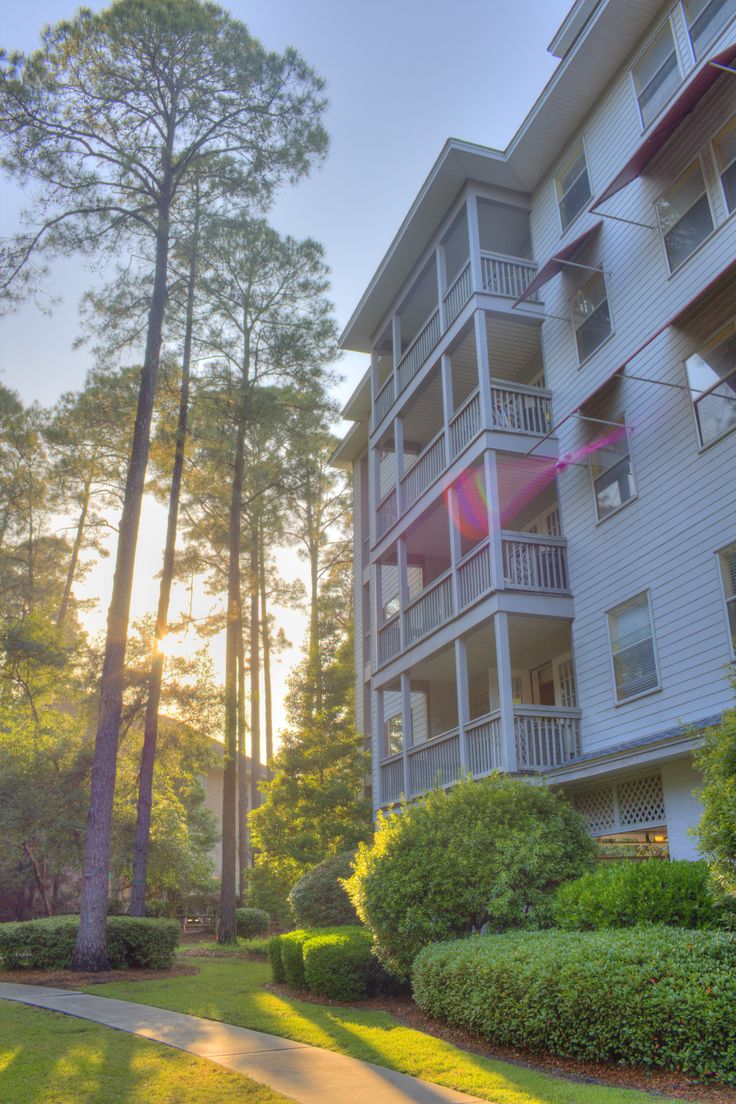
{"type": "Point", "coordinates": [251, 921]}
{"type": "Point", "coordinates": [658, 997]}
{"type": "Point", "coordinates": [49, 944]}
{"type": "Point", "coordinates": [337, 963]}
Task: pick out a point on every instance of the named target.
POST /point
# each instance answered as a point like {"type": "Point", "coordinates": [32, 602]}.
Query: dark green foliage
{"type": "Point", "coordinates": [621, 895]}
{"type": "Point", "coordinates": [250, 922]}
{"type": "Point", "coordinates": [49, 944]}
{"type": "Point", "coordinates": [483, 854]}
{"type": "Point", "coordinates": [319, 899]}
{"type": "Point", "coordinates": [656, 997]}
{"type": "Point", "coordinates": [339, 966]}
{"type": "Point", "coordinates": [277, 962]}
{"type": "Point", "coordinates": [268, 888]}
{"type": "Point", "coordinates": [716, 760]}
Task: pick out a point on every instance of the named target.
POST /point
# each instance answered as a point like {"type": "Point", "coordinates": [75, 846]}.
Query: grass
{"type": "Point", "coordinates": [49, 1058]}
{"type": "Point", "coordinates": [232, 991]}
{"type": "Point", "coordinates": [257, 946]}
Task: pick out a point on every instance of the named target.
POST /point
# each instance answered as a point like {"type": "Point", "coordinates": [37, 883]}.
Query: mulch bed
{"type": "Point", "coordinates": [662, 1082]}
{"type": "Point", "coordinates": [69, 979]}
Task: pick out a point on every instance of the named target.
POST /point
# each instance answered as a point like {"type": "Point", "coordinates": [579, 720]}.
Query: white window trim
{"type": "Point", "coordinates": [683, 69]}
{"type": "Point", "coordinates": [716, 225]}
{"type": "Point", "coordinates": [714, 38]}
{"type": "Point", "coordinates": [589, 357]}
{"type": "Point", "coordinates": [652, 689]}
{"type": "Point", "coordinates": [570, 149]}
{"type": "Point", "coordinates": [634, 497]}
{"type": "Point", "coordinates": [696, 428]}
{"type": "Point", "coordinates": [720, 552]}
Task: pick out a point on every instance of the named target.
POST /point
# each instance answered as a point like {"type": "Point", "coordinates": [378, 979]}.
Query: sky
{"type": "Point", "coordinates": [402, 77]}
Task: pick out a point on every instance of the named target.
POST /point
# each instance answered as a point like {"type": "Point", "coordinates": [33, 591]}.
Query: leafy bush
{"type": "Point", "coordinates": [276, 959]}
{"type": "Point", "coordinates": [661, 997]}
{"type": "Point", "coordinates": [340, 966]}
{"type": "Point", "coordinates": [268, 888]}
{"type": "Point", "coordinates": [621, 895]}
{"type": "Point", "coordinates": [48, 944]}
{"type": "Point", "coordinates": [319, 899]}
{"type": "Point", "coordinates": [251, 921]}
{"type": "Point", "coordinates": [484, 854]}
{"type": "Point", "coordinates": [716, 761]}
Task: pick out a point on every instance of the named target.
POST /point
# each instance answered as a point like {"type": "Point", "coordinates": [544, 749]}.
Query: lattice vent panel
{"type": "Point", "coordinates": [641, 801]}
{"type": "Point", "coordinates": [597, 806]}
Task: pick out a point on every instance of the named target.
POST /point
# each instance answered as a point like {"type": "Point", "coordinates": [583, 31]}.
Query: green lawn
{"type": "Point", "coordinates": [49, 1058]}
{"type": "Point", "coordinates": [231, 990]}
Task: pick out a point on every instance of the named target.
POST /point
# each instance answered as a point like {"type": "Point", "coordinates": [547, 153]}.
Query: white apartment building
{"type": "Point", "coordinates": [544, 445]}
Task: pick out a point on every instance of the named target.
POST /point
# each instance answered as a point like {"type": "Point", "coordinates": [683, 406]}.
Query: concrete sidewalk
{"type": "Point", "coordinates": [304, 1073]}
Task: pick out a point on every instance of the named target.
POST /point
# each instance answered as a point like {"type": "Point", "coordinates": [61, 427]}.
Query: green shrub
{"type": "Point", "coordinates": [250, 922]}
{"type": "Point", "coordinates": [340, 966]}
{"type": "Point", "coordinates": [286, 952]}
{"type": "Point", "coordinates": [657, 997]}
{"type": "Point", "coordinates": [716, 761]}
{"type": "Point", "coordinates": [48, 944]}
{"type": "Point", "coordinates": [484, 854]}
{"type": "Point", "coordinates": [620, 895]}
{"type": "Point", "coordinates": [319, 898]}
{"type": "Point", "coordinates": [275, 958]}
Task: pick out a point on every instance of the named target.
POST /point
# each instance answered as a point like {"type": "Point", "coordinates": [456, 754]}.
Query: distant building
{"type": "Point", "coordinates": [212, 783]}
{"type": "Point", "coordinates": [544, 453]}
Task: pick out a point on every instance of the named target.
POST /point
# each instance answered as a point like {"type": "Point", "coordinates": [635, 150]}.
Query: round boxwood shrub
{"type": "Point", "coordinates": [619, 895]}
{"type": "Point", "coordinates": [482, 855]}
{"type": "Point", "coordinates": [340, 966]}
{"type": "Point", "coordinates": [655, 996]}
{"type": "Point", "coordinates": [250, 922]}
{"type": "Point", "coordinates": [319, 899]}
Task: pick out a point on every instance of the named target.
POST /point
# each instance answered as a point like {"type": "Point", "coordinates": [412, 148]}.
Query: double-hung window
{"type": "Point", "coordinates": [613, 478]}
{"type": "Point", "coordinates": [685, 217]}
{"type": "Point", "coordinates": [728, 572]}
{"type": "Point", "coordinates": [711, 376]}
{"type": "Point", "coordinates": [705, 19]}
{"type": "Point", "coordinates": [656, 73]}
{"type": "Point", "coordinates": [393, 735]}
{"type": "Point", "coordinates": [591, 317]}
{"type": "Point", "coordinates": [573, 185]}
{"type": "Point", "coordinates": [632, 648]}
{"type": "Point", "coordinates": [725, 150]}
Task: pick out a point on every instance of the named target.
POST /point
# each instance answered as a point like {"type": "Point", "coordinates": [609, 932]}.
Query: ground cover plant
{"type": "Point", "coordinates": [319, 898]}
{"type": "Point", "coordinates": [655, 997]}
{"type": "Point", "coordinates": [48, 944]}
{"type": "Point", "coordinates": [84, 1063]}
{"type": "Point", "coordinates": [485, 854]}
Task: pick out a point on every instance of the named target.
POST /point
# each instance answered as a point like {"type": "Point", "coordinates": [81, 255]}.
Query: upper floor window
{"type": "Point", "coordinates": [728, 572]}
{"type": "Point", "coordinates": [591, 317]}
{"type": "Point", "coordinates": [393, 735]}
{"type": "Point", "coordinates": [685, 217]}
{"type": "Point", "coordinates": [632, 648]}
{"type": "Point", "coordinates": [704, 19]}
{"type": "Point", "coordinates": [656, 73]}
{"type": "Point", "coordinates": [573, 185]}
{"type": "Point", "coordinates": [613, 477]}
{"type": "Point", "coordinates": [725, 148]}
{"type": "Point", "coordinates": [711, 374]}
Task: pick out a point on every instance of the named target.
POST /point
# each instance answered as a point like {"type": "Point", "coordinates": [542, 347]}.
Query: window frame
{"type": "Point", "coordinates": [649, 42]}
{"type": "Point", "coordinates": [697, 160]}
{"type": "Point", "coordinates": [717, 162]}
{"type": "Point", "coordinates": [617, 701]}
{"type": "Point", "coordinates": [387, 753]}
{"type": "Point", "coordinates": [558, 172]}
{"type": "Point", "coordinates": [708, 42]}
{"type": "Point", "coordinates": [711, 342]}
{"type": "Point", "coordinates": [600, 520]}
{"type": "Point", "coordinates": [607, 300]}
{"type": "Point", "coordinates": [730, 634]}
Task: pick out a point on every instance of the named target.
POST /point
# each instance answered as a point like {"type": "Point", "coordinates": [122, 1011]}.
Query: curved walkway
{"type": "Point", "coordinates": [307, 1074]}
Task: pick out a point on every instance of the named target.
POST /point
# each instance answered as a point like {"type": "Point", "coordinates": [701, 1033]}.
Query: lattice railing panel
{"type": "Point", "coordinates": [641, 801]}
{"type": "Point", "coordinates": [597, 807]}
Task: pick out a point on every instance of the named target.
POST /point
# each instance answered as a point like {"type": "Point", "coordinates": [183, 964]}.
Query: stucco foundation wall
{"type": "Point", "coordinates": [682, 808]}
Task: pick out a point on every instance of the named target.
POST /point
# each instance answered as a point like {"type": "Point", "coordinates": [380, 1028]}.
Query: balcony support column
{"type": "Point", "coordinates": [408, 740]}
{"type": "Point", "coordinates": [375, 387]}
{"type": "Point", "coordinates": [484, 370]}
{"type": "Point", "coordinates": [396, 342]}
{"type": "Point", "coordinates": [447, 403]}
{"type": "Point", "coordinates": [377, 744]}
{"type": "Point", "coordinates": [440, 268]}
{"type": "Point", "coordinates": [493, 506]}
{"type": "Point", "coordinates": [463, 702]}
{"type": "Point", "coordinates": [403, 589]}
{"type": "Point", "coordinates": [399, 454]}
{"type": "Point", "coordinates": [474, 242]}
{"type": "Point", "coordinates": [505, 691]}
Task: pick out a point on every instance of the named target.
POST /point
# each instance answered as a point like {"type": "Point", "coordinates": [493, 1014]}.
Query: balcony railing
{"type": "Point", "coordinates": [531, 562]}
{"type": "Point", "coordinates": [418, 351]}
{"type": "Point", "coordinates": [521, 409]}
{"type": "Point", "coordinates": [389, 640]}
{"type": "Point", "coordinates": [474, 574]}
{"type": "Point", "coordinates": [430, 610]}
{"type": "Point", "coordinates": [384, 400]}
{"type": "Point", "coordinates": [429, 464]}
{"type": "Point", "coordinates": [465, 424]}
{"type": "Point", "coordinates": [507, 276]}
{"type": "Point", "coordinates": [434, 763]}
{"type": "Point", "coordinates": [483, 737]}
{"type": "Point", "coordinates": [386, 513]}
{"type": "Point", "coordinates": [458, 294]}
{"type": "Point", "coordinates": [545, 736]}
{"type": "Point", "coordinates": [392, 779]}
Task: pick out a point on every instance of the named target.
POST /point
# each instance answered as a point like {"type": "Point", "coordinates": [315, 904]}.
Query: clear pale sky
{"type": "Point", "coordinates": [402, 76]}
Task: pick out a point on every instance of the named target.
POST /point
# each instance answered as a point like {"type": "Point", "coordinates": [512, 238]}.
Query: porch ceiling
{"type": "Point", "coordinates": [535, 640]}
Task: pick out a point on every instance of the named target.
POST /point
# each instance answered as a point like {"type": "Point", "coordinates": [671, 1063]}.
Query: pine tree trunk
{"type": "Point", "coordinates": [155, 678]}
{"type": "Point", "coordinates": [90, 952]}
{"type": "Point", "coordinates": [315, 659]}
{"type": "Point", "coordinates": [266, 642]}
{"type": "Point", "coordinates": [255, 674]}
{"type": "Point", "coordinates": [76, 547]}
{"type": "Point", "coordinates": [242, 772]}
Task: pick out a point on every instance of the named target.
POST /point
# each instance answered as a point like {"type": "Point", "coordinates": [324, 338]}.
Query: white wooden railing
{"type": "Point", "coordinates": [531, 562]}
{"type": "Point", "coordinates": [392, 779]}
{"type": "Point", "coordinates": [430, 609]}
{"type": "Point", "coordinates": [546, 736]}
{"type": "Point", "coordinates": [389, 639]}
{"type": "Point", "coordinates": [521, 409]}
{"type": "Point", "coordinates": [384, 400]}
{"type": "Point", "coordinates": [386, 512]}
{"type": "Point", "coordinates": [458, 294]}
{"type": "Point", "coordinates": [429, 464]}
{"type": "Point", "coordinates": [418, 351]}
{"type": "Point", "coordinates": [507, 276]}
{"type": "Point", "coordinates": [465, 424]}
{"type": "Point", "coordinates": [483, 737]}
{"type": "Point", "coordinates": [474, 574]}
{"type": "Point", "coordinates": [434, 763]}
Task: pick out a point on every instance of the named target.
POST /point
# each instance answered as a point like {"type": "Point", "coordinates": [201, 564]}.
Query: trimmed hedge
{"type": "Point", "coordinates": [251, 921]}
{"type": "Point", "coordinates": [48, 944]}
{"type": "Point", "coordinates": [319, 899]}
{"type": "Point", "coordinates": [340, 966]}
{"type": "Point", "coordinates": [654, 996]}
{"type": "Point", "coordinates": [274, 957]}
{"type": "Point", "coordinates": [621, 895]}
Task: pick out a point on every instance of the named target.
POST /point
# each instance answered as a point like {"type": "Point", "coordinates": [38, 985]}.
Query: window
{"type": "Point", "coordinates": [573, 186]}
{"type": "Point", "coordinates": [566, 679]}
{"type": "Point", "coordinates": [656, 73]}
{"type": "Point", "coordinates": [684, 216]}
{"type": "Point", "coordinates": [632, 648]}
{"type": "Point", "coordinates": [711, 375]}
{"type": "Point", "coordinates": [704, 19]}
{"type": "Point", "coordinates": [591, 318]}
{"type": "Point", "coordinates": [613, 479]}
{"type": "Point", "coordinates": [728, 572]}
{"type": "Point", "coordinates": [725, 150]}
{"type": "Point", "coordinates": [393, 735]}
